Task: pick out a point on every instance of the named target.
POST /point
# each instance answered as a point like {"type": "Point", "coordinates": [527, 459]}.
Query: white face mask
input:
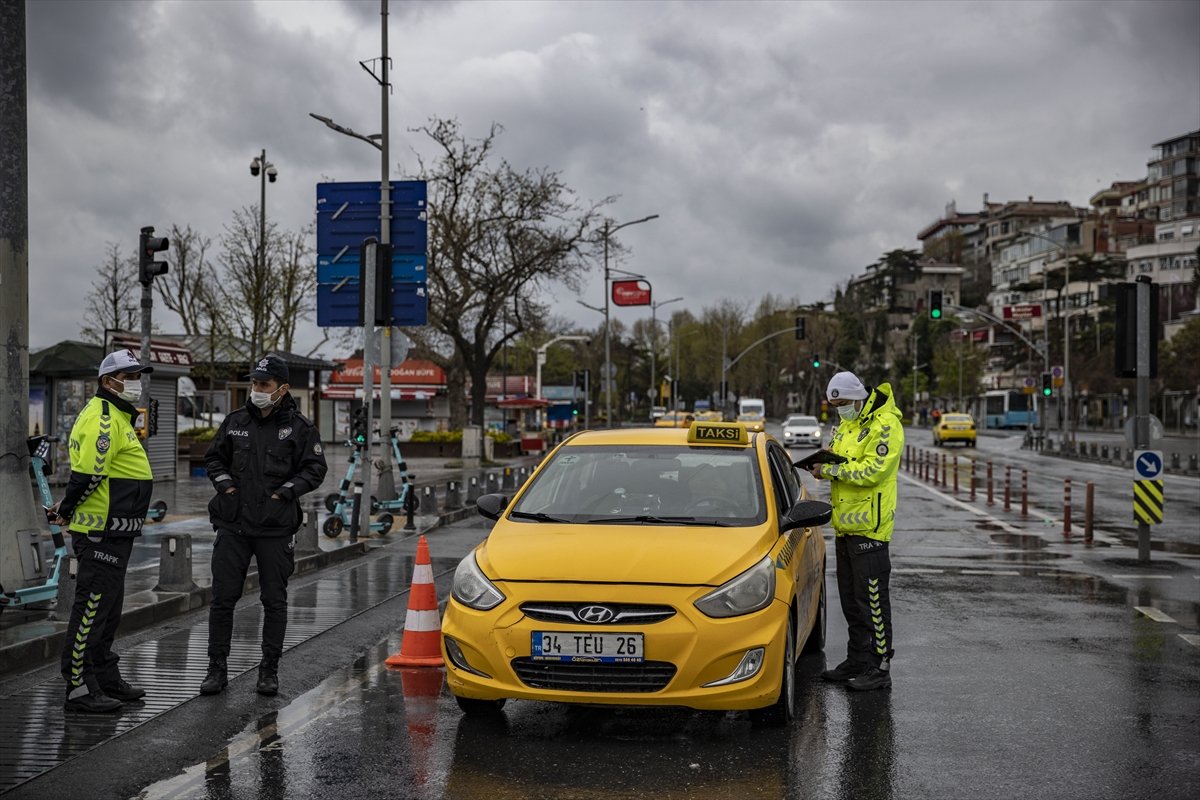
{"type": "Point", "coordinates": [848, 412]}
{"type": "Point", "coordinates": [262, 399]}
{"type": "Point", "coordinates": [130, 392]}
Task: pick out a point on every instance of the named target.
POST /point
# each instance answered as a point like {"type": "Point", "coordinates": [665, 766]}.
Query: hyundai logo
{"type": "Point", "coordinates": [595, 615]}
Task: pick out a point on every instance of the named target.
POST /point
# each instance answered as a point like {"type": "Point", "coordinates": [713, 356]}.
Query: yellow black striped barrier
{"type": "Point", "coordinates": [1148, 501]}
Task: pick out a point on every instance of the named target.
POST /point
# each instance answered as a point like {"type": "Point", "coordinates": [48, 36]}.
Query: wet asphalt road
{"type": "Point", "coordinates": [1027, 666]}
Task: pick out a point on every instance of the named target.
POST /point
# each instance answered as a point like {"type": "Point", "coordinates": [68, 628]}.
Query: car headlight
{"type": "Point", "coordinates": [751, 591]}
{"type": "Point", "coordinates": [472, 588]}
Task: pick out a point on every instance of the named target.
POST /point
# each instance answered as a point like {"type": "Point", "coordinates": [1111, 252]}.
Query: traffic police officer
{"type": "Point", "coordinates": [262, 459]}
{"type": "Point", "coordinates": [863, 493]}
{"type": "Point", "coordinates": [104, 507]}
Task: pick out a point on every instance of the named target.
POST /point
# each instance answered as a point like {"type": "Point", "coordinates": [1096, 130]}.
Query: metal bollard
{"type": "Point", "coordinates": [990, 501]}
{"type": "Point", "coordinates": [175, 563]}
{"type": "Point", "coordinates": [1088, 508]}
{"type": "Point", "coordinates": [428, 501]}
{"type": "Point", "coordinates": [1104, 452]}
{"type": "Point", "coordinates": [306, 537]}
{"type": "Point", "coordinates": [522, 474]}
{"type": "Point", "coordinates": [1007, 487]}
{"type": "Point", "coordinates": [1067, 507]}
{"type": "Point", "coordinates": [508, 479]}
{"type": "Point", "coordinates": [973, 462]}
{"type": "Point", "coordinates": [956, 474]}
{"type": "Point", "coordinates": [453, 499]}
{"type": "Point", "coordinates": [1024, 493]}
{"type": "Point", "coordinates": [473, 490]}
{"type": "Point", "coordinates": [1193, 463]}
{"type": "Point", "coordinates": [410, 507]}
{"type": "Point", "coordinates": [356, 511]}
{"type": "Point", "coordinates": [493, 483]}
{"type": "Point", "coordinates": [925, 465]}
{"type": "Point", "coordinates": [1175, 462]}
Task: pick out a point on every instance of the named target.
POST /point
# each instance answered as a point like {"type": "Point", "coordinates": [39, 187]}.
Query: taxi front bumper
{"type": "Point", "coordinates": [682, 653]}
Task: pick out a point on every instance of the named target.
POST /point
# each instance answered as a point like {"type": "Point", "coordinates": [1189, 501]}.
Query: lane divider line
{"type": "Point", "coordinates": [988, 572]}
{"type": "Point", "coordinates": [964, 506]}
{"type": "Point", "coordinates": [1191, 639]}
{"type": "Point", "coordinates": [1153, 613]}
{"type": "Point", "coordinates": [1144, 577]}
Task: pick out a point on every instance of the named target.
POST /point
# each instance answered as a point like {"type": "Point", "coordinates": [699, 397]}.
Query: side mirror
{"type": "Point", "coordinates": [805, 514]}
{"type": "Point", "coordinates": [492, 505]}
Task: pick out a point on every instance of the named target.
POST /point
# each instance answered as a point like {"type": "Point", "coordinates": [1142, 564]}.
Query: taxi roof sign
{"type": "Point", "coordinates": [717, 433]}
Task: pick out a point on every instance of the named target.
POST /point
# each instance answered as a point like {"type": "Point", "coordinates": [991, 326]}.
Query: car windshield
{"type": "Point", "coordinates": [801, 422]}
{"type": "Point", "coordinates": [647, 484]}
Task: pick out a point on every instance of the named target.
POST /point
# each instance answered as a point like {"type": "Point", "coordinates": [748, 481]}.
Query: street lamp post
{"type": "Point", "coordinates": [1065, 301]}
{"type": "Point", "coordinates": [609, 230]}
{"type": "Point", "coordinates": [541, 359]}
{"type": "Point", "coordinates": [654, 346]}
{"type": "Point", "coordinates": [265, 171]}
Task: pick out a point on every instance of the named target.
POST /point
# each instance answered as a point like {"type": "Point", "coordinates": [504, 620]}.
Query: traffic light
{"type": "Point", "coordinates": [935, 303]}
{"type": "Point", "coordinates": [816, 361]}
{"type": "Point", "coordinates": [1047, 384]}
{"type": "Point", "coordinates": [149, 245]}
{"type": "Point", "coordinates": [359, 431]}
{"type": "Point", "coordinates": [799, 329]}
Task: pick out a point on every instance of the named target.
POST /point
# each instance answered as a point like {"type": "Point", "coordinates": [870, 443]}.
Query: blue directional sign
{"type": "Point", "coordinates": [1147, 464]}
{"type": "Point", "coordinates": [347, 215]}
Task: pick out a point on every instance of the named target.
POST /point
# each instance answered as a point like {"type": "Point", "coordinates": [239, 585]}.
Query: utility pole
{"type": "Point", "coordinates": [385, 239]}
{"type": "Point", "coordinates": [1141, 423]}
{"type": "Point", "coordinates": [19, 526]}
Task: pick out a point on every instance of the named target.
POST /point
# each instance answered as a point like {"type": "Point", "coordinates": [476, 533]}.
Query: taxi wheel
{"type": "Point", "coordinates": [784, 709]}
{"type": "Point", "coordinates": [479, 708]}
{"type": "Point", "coordinates": [815, 642]}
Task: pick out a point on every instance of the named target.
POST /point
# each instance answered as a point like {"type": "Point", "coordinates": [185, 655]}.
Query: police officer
{"type": "Point", "coordinates": [863, 493]}
{"type": "Point", "coordinates": [104, 507]}
{"type": "Point", "coordinates": [263, 458]}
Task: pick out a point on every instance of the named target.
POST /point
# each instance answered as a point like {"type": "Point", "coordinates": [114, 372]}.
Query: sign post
{"type": "Point", "coordinates": [1141, 426]}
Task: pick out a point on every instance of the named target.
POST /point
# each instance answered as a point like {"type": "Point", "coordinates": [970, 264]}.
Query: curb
{"type": "Point", "coordinates": [147, 608]}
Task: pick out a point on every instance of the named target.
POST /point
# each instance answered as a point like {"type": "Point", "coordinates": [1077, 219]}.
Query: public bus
{"type": "Point", "coordinates": [1009, 408]}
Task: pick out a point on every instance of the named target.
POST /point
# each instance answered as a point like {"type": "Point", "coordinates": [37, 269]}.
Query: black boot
{"type": "Point", "coordinates": [268, 677]}
{"type": "Point", "coordinates": [844, 671]}
{"type": "Point", "coordinates": [216, 679]}
{"type": "Point", "coordinates": [96, 702]}
{"type": "Point", "coordinates": [879, 677]}
{"type": "Point", "coordinates": [125, 691]}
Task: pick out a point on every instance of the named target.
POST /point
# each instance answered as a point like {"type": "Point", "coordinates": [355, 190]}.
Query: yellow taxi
{"type": "Point", "coordinates": [954, 428]}
{"type": "Point", "coordinates": [674, 419]}
{"type": "Point", "coordinates": [755, 423]}
{"type": "Point", "coordinates": [647, 567]}
{"type": "Point", "coordinates": [709, 416]}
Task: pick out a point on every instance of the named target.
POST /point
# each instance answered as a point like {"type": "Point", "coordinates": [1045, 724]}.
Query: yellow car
{"type": "Point", "coordinates": [646, 567]}
{"type": "Point", "coordinates": [709, 416]}
{"type": "Point", "coordinates": [674, 419]}
{"type": "Point", "coordinates": [753, 422]}
{"type": "Point", "coordinates": [954, 428]}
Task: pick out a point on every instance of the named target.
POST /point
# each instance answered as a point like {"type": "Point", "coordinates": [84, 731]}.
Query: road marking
{"type": "Point", "coordinates": [917, 571]}
{"type": "Point", "coordinates": [1153, 613]}
{"type": "Point", "coordinates": [978, 512]}
{"type": "Point", "coordinates": [988, 572]}
{"type": "Point", "coordinates": [1191, 639]}
{"type": "Point", "coordinates": [1149, 577]}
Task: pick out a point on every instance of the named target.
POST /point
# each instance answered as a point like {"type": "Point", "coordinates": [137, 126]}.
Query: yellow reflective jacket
{"type": "Point", "coordinates": [111, 482]}
{"type": "Point", "coordinates": [863, 490]}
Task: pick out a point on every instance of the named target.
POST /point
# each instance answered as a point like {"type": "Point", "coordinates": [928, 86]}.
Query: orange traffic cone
{"type": "Point", "coordinates": [422, 643]}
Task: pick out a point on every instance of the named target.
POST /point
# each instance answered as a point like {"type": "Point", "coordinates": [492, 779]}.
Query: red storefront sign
{"type": "Point", "coordinates": [1026, 311]}
{"type": "Point", "coordinates": [631, 293]}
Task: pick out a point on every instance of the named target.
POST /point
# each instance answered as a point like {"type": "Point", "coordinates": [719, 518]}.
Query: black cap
{"type": "Point", "coordinates": [269, 367]}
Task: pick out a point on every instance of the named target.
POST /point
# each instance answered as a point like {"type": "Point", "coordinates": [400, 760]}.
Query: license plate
{"type": "Point", "coordinates": [607, 648]}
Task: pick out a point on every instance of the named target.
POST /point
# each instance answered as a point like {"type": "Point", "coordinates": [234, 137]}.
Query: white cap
{"type": "Point", "coordinates": [846, 386]}
{"type": "Point", "coordinates": [122, 361]}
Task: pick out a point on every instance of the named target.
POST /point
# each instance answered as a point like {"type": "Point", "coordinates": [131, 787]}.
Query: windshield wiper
{"type": "Point", "coordinates": [538, 517]}
{"type": "Point", "coordinates": [652, 520]}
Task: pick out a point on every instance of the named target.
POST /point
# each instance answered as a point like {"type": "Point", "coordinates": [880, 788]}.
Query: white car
{"type": "Point", "coordinates": [801, 431]}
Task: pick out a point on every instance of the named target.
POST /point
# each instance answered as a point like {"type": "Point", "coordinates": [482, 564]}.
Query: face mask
{"type": "Point", "coordinates": [848, 412]}
{"type": "Point", "coordinates": [130, 392]}
{"type": "Point", "coordinates": [262, 399]}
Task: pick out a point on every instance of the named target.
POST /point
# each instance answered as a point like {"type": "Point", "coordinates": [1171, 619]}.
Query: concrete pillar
{"type": "Point", "coordinates": [428, 501]}
{"type": "Point", "coordinates": [474, 491]}
{"type": "Point", "coordinates": [175, 563]}
{"type": "Point", "coordinates": [508, 481]}
{"type": "Point", "coordinates": [493, 483]}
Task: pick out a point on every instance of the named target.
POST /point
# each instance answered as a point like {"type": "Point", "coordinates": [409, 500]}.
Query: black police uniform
{"type": "Point", "coordinates": [279, 455]}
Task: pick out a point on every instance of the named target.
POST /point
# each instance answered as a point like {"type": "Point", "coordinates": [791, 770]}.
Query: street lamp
{"type": "Point", "coordinates": [654, 345]}
{"type": "Point", "coordinates": [541, 359]}
{"type": "Point", "coordinates": [1066, 297]}
{"type": "Point", "coordinates": [608, 230]}
{"type": "Point", "coordinates": [265, 171]}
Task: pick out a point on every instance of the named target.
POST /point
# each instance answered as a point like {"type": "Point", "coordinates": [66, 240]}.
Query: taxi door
{"type": "Point", "coordinates": [801, 556]}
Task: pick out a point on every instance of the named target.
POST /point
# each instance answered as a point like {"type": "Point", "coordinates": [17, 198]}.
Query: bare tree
{"type": "Point", "coordinates": [247, 289]}
{"type": "Point", "coordinates": [293, 295]}
{"type": "Point", "coordinates": [497, 235]}
{"type": "Point", "coordinates": [182, 287]}
{"type": "Point", "coordinates": [113, 303]}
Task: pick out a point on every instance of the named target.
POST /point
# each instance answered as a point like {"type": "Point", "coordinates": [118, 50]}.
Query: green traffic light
{"type": "Point", "coordinates": [936, 313]}
{"type": "Point", "coordinates": [1047, 392]}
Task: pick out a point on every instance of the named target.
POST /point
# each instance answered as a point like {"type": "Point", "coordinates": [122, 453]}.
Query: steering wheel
{"type": "Point", "coordinates": [714, 506]}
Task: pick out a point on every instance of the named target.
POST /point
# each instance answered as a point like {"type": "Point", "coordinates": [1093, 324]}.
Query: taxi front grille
{"type": "Point", "coordinates": [647, 676]}
{"type": "Point", "coordinates": [622, 613]}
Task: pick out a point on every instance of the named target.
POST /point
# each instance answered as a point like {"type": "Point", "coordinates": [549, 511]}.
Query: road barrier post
{"type": "Point", "coordinates": [1007, 487]}
{"type": "Point", "coordinates": [943, 470]}
{"type": "Point", "coordinates": [972, 479]}
{"type": "Point", "coordinates": [1024, 493]}
{"type": "Point", "coordinates": [956, 474]}
{"type": "Point", "coordinates": [354, 514]}
{"type": "Point", "coordinates": [1067, 507]}
{"type": "Point", "coordinates": [991, 499]}
{"type": "Point", "coordinates": [1087, 512]}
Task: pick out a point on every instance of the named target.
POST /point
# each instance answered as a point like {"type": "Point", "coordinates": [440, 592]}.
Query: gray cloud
{"type": "Point", "coordinates": [785, 145]}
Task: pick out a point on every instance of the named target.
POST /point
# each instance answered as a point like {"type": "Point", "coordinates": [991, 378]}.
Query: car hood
{"type": "Point", "coordinates": [620, 553]}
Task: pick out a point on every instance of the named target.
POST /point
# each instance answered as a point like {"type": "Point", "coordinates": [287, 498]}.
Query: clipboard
{"type": "Point", "coordinates": [820, 457]}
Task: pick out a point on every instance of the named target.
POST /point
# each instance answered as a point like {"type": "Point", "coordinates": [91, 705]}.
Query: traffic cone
{"type": "Point", "coordinates": [422, 643]}
{"type": "Point", "coordinates": [421, 688]}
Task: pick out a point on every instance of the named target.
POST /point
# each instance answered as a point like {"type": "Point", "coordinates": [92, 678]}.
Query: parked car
{"type": "Point", "coordinates": [954, 428]}
{"type": "Point", "coordinates": [644, 567]}
{"type": "Point", "coordinates": [800, 430]}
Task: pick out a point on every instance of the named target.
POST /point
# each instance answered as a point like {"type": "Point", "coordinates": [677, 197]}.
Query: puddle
{"type": "Point", "coordinates": [1183, 548]}
{"type": "Point", "coordinates": [1015, 539]}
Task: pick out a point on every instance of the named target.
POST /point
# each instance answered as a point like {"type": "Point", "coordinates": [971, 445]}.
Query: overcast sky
{"type": "Point", "coordinates": [784, 145]}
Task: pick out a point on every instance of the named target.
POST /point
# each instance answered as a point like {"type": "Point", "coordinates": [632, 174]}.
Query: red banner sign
{"type": "Point", "coordinates": [631, 293]}
{"type": "Point", "coordinates": [1027, 311]}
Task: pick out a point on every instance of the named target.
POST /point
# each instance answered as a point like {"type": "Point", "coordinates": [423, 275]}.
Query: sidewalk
{"type": "Point", "coordinates": [32, 638]}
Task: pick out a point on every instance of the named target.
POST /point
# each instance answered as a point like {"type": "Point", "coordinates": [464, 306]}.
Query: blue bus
{"type": "Point", "coordinates": [1009, 408]}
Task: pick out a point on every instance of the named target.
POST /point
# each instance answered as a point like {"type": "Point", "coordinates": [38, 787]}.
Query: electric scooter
{"type": "Point", "coordinates": [39, 462]}
{"type": "Point", "coordinates": [341, 504]}
{"type": "Point", "coordinates": [407, 501]}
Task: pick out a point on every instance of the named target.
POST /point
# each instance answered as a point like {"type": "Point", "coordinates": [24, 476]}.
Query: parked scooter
{"type": "Point", "coordinates": [39, 462]}
{"type": "Point", "coordinates": [407, 499]}
{"type": "Point", "coordinates": [341, 504]}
